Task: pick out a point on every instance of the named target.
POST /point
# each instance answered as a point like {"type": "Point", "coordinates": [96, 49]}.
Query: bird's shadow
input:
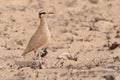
{"type": "Point", "coordinates": [31, 63]}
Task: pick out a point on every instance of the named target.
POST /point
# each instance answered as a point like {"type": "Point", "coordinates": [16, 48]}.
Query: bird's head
{"type": "Point", "coordinates": [41, 13]}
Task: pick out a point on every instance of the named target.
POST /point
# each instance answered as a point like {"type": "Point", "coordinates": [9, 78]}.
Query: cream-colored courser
{"type": "Point", "coordinates": [41, 37]}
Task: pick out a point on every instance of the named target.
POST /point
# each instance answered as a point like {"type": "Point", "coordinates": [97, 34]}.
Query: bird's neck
{"type": "Point", "coordinates": [43, 25]}
{"type": "Point", "coordinates": [43, 21]}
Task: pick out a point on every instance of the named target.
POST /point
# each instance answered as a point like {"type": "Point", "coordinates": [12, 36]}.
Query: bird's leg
{"type": "Point", "coordinates": [44, 53]}
{"type": "Point", "coordinates": [40, 60]}
{"type": "Point", "coordinates": [34, 56]}
{"type": "Point", "coordinates": [40, 55]}
{"type": "Point", "coordinates": [37, 58]}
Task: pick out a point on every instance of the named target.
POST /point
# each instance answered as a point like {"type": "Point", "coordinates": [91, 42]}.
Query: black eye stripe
{"type": "Point", "coordinates": [42, 12]}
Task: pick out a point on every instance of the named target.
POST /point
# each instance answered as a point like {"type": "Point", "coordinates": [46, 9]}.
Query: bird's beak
{"type": "Point", "coordinates": [50, 13]}
{"type": "Point", "coordinates": [45, 13]}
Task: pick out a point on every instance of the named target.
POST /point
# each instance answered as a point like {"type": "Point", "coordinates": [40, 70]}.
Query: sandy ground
{"type": "Point", "coordinates": [90, 28]}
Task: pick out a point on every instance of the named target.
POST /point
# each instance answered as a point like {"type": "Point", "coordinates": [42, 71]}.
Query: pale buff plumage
{"type": "Point", "coordinates": [41, 37]}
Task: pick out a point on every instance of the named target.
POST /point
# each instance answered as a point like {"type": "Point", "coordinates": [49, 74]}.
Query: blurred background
{"type": "Point", "coordinates": [89, 27]}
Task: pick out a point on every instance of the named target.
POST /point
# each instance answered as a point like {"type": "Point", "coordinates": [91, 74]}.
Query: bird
{"type": "Point", "coordinates": [40, 38]}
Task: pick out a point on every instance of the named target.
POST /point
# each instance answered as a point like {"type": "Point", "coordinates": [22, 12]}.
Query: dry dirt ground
{"type": "Point", "coordinates": [90, 28]}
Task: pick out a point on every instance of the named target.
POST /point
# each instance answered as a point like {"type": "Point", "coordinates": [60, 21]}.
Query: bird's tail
{"type": "Point", "coordinates": [27, 50]}
{"type": "Point", "coordinates": [23, 54]}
